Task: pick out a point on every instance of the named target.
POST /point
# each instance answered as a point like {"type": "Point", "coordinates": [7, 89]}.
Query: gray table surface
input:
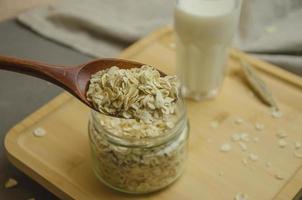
{"type": "Point", "coordinates": [25, 95]}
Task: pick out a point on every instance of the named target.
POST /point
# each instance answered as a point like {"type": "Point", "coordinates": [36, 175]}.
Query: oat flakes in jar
{"type": "Point", "coordinates": [137, 157]}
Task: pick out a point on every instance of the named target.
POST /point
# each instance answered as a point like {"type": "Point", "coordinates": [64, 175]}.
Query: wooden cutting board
{"type": "Point", "coordinates": [60, 161]}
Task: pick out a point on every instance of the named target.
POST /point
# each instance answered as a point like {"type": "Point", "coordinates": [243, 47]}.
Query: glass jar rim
{"type": "Point", "coordinates": [180, 124]}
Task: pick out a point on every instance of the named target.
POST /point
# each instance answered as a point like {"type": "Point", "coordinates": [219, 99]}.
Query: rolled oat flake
{"type": "Point", "coordinates": [282, 143]}
{"type": "Point", "coordinates": [244, 161]}
{"type": "Point", "coordinates": [259, 126]}
{"type": "Point", "coordinates": [268, 164]}
{"type": "Point", "coordinates": [220, 173]}
{"type": "Point", "coordinates": [276, 113]}
{"type": "Point", "coordinates": [136, 93]}
{"type": "Point", "coordinates": [236, 137]}
{"type": "Point", "coordinates": [239, 121]}
{"type": "Point", "coordinates": [11, 182]}
{"type": "Point", "coordinates": [214, 124]}
{"type": "Point", "coordinates": [297, 154]}
{"type": "Point", "coordinates": [225, 147]}
{"type": "Point", "coordinates": [39, 132]}
{"type": "Point", "coordinates": [279, 176]}
{"type": "Point", "coordinates": [241, 196]}
{"type": "Point", "coordinates": [281, 134]}
{"type": "Point", "coordinates": [243, 146]}
{"type": "Point", "coordinates": [244, 137]}
{"type": "Point", "coordinates": [297, 145]}
{"type": "Point", "coordinates": [253, 157]}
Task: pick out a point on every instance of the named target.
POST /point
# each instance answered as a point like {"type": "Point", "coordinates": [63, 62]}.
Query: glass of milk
{"type": "Point", "coordinates": [204, 32]}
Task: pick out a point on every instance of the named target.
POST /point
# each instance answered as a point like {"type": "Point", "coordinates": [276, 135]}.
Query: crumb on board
{"type": "Point", "coordinates": [253, 157]}
{"type": "Point", "coordinates": [279, 176]}
{"type": "Point", "coordinates": [268, 164]}
{"type": "Point", "coordinates": [297, 145]}
{"type": "Point", "coordinates": [244, 137]}
{"type": "Point", "coordinates": [225, 147]}
{"type": "Point", "coordinates": [239, 121]}
{"type": "Point", "coordinates": [276, 113]}
{"type": "Point", "coordinates": [281, 134]}
{"type": "Point", "coordinates": [259, 126]}
{"type": "Point", "coordinates": [243, 146]}
{"type": "Point", "coordinates": [11, 182]}
{"type": "Point", "coordinates": [297, 154]}
{"type": "Point", "coordinates": [214, 124]}
{"type": "Point", "coordinates": [235, 137]}
{"type": "Point", "coordinates": [282, 143]}
{"type": "Point", "coordinates": [39, 132]}
{"type": "Point", "coordinates": [241, 196]}
{"type": "Point", "coordinates": [172, 45]}
{"type": "Point", "coordinates": [244, 161]}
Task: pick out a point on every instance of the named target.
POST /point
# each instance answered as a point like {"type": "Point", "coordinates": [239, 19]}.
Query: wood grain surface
{"type": "Point", "coordinates": [60, 161]}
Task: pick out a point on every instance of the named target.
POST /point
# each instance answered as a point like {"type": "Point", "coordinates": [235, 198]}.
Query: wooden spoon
{"type": "Point", "coordinates": [74, 79]}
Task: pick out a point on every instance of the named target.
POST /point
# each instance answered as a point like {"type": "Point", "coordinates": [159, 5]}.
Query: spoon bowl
{"type": "Point", "coordinates": [85, 71]}
{"type": "Point", "coordinates": [73, 79]}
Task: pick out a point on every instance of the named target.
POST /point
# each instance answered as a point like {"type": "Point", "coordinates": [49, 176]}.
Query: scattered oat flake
{"type": "Point", "coordinates": [268, 164]}
{"type": "Point", "coordinates": [281, 134]}
{"type": "Point", "coordinates": [255, 139]}
{"type": "Point", "coordinates": [39, 132]}
{"type": "Point", "coordinates": [297, 154]}
{"type": "Point", "coordinates": [172, 45]}
{"type": "Point", "coordinates": [282, 143]}
{"type": "Point", "coordinates": [241, 196]}
{"type": "Point", "coordinates": [244, 161]}
{"type": "Point", "coordinates": [276, 113]}
{"type": "Point", "coordinates": [244, 137]}
{"type": "Point", "coordinates": [253, 157]}
{"type": "Point", "coordinates": [259, 126]}
{"type": "Point", "coordinates": [279, 176]}
{"type": "Point", "coordinates": [11, 183]}
{"type": "Point", "coordinates": [235, 137]}
{"type": "Point", "coordinates": [243, 146]}
{"type": "Point", "coordinates": [238, 121]}
{"type": "Point", "coordinates": [214, 124]}
{"type": "Point", "coordinates": [225, 147]}
{"type": "Point", "coordinates": [297, 145]}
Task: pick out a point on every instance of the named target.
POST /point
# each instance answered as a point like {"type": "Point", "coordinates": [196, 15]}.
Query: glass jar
{"type": "Point", "coordinates": [135, 157]}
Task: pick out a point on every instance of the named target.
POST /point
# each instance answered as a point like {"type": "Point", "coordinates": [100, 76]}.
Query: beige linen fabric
{"type": "Point", "coordinates": [270, 29]}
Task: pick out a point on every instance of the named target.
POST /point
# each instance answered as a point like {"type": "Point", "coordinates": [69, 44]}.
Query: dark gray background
{"type": "Point", "coordinates": [20, 95]}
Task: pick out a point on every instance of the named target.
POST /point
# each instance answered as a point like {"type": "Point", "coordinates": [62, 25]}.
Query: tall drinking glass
{"type": "Point", "coordinates": [204, 32]}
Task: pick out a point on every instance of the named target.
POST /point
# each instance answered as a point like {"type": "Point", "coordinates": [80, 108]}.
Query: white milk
{"type": "Point", "coordinates": [205, 29]}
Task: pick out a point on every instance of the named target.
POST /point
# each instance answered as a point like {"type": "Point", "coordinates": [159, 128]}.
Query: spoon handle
{"type": "Point", "coordinates": [61, 76]}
